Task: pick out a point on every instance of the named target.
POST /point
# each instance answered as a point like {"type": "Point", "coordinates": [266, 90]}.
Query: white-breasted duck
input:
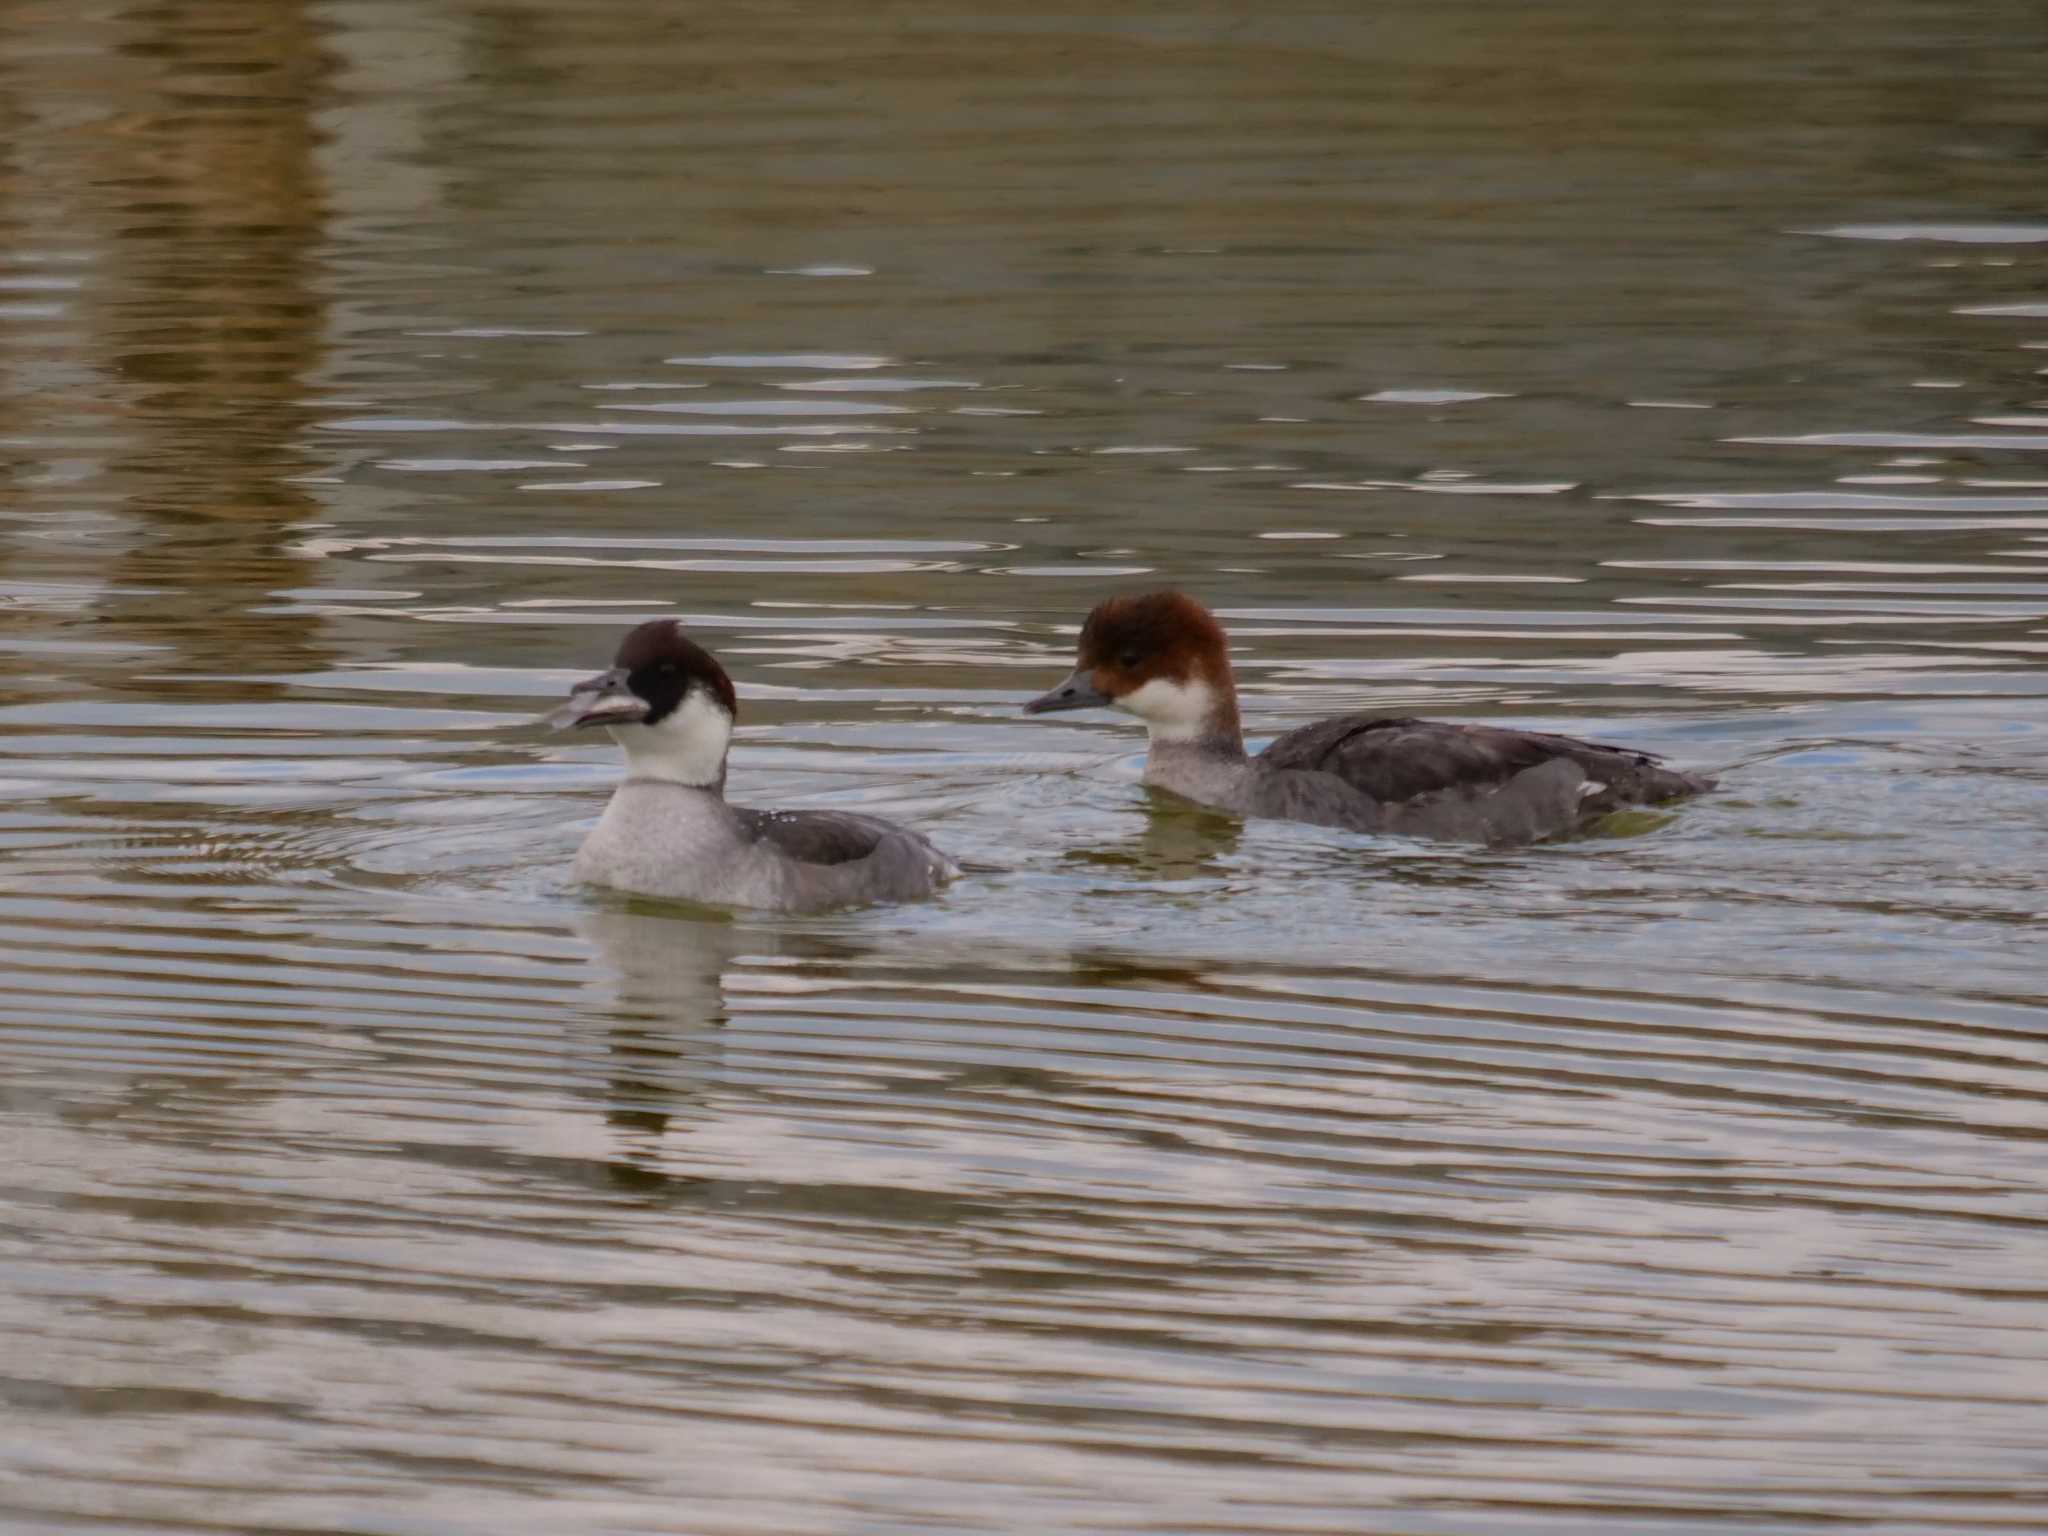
{"type": "Point", "coordinates": [668, 830]}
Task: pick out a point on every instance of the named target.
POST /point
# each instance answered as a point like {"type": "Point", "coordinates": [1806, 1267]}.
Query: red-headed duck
{"type": "Point", "coordinates": [1164, 658]}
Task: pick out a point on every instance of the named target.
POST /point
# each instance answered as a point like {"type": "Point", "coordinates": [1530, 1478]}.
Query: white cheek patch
{"type": "Point", "coordinates": [687, 746]}
{"type": "Point", "coordinates": [1173, 711]}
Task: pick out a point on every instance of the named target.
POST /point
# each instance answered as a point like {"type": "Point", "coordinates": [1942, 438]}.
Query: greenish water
{"type": "Point", "coordinates": [1670, 372]}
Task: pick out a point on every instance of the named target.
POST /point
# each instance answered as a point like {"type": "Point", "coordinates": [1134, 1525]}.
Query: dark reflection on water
{"type": "Point", "coordinates": [1671, 374]}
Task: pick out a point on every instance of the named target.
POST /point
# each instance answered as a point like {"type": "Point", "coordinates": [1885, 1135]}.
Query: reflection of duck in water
{"type": "Point", "coordinates": [1164, 658]}
{"type": "Point", "coordinates": [658, 967]}
{"type": "Point", "coordinates": [1177, 842]}
{"type": "Point", "coordinates": [657, 1014]}
{"type": "Point", "coordinates": [668, 830]}
{"type": "Point", "coordinates": [658, 987]}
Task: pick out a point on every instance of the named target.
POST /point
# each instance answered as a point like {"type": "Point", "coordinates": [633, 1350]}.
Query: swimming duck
{"type": "Point", "coordinates": [1164, 658]}
{"type": "Point", "coordinates": [668, 830]}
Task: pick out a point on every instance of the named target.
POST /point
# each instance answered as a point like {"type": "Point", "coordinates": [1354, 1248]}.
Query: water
{"type": "Point", "coordinates": [1665, 373]}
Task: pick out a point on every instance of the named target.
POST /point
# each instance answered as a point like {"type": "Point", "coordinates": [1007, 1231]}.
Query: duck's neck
{"type": "Point", "coordinates": [1203, 761]}
{"type": "Point", "coordinates": [1190, 720]}
{"type": "Point", "coordinates": [686, 746]}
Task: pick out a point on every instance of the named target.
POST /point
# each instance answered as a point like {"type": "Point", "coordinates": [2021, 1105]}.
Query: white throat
{"type": "Point", "coordinates": [686, 746]}
{"type": "Point", "coordinates": [1171, 711]}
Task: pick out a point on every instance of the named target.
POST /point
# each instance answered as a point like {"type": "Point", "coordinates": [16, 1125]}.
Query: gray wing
{"type": "Point", "coordinates": [1321, 799]}
{"type": "Point", "coordinates": [1543, 801]}
{"type": "Point", "coordinates": [1396, 760]}
{"type": "Point", "coordinates": [844, 858]}
{"type": "Point", "coordinates": [1551, 798]}
{"type": "Point", "coordinates": [817, 837]}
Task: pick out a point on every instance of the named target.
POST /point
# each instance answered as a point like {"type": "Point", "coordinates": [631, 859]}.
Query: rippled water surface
{"type": "Point", "coordinates": [1670, 372]}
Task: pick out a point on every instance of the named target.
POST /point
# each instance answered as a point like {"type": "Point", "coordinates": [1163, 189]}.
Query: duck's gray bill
{"type": "Point", "coordinates": [601, 700]}
{"type": "Point", "coordinates": [1077, 692]}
